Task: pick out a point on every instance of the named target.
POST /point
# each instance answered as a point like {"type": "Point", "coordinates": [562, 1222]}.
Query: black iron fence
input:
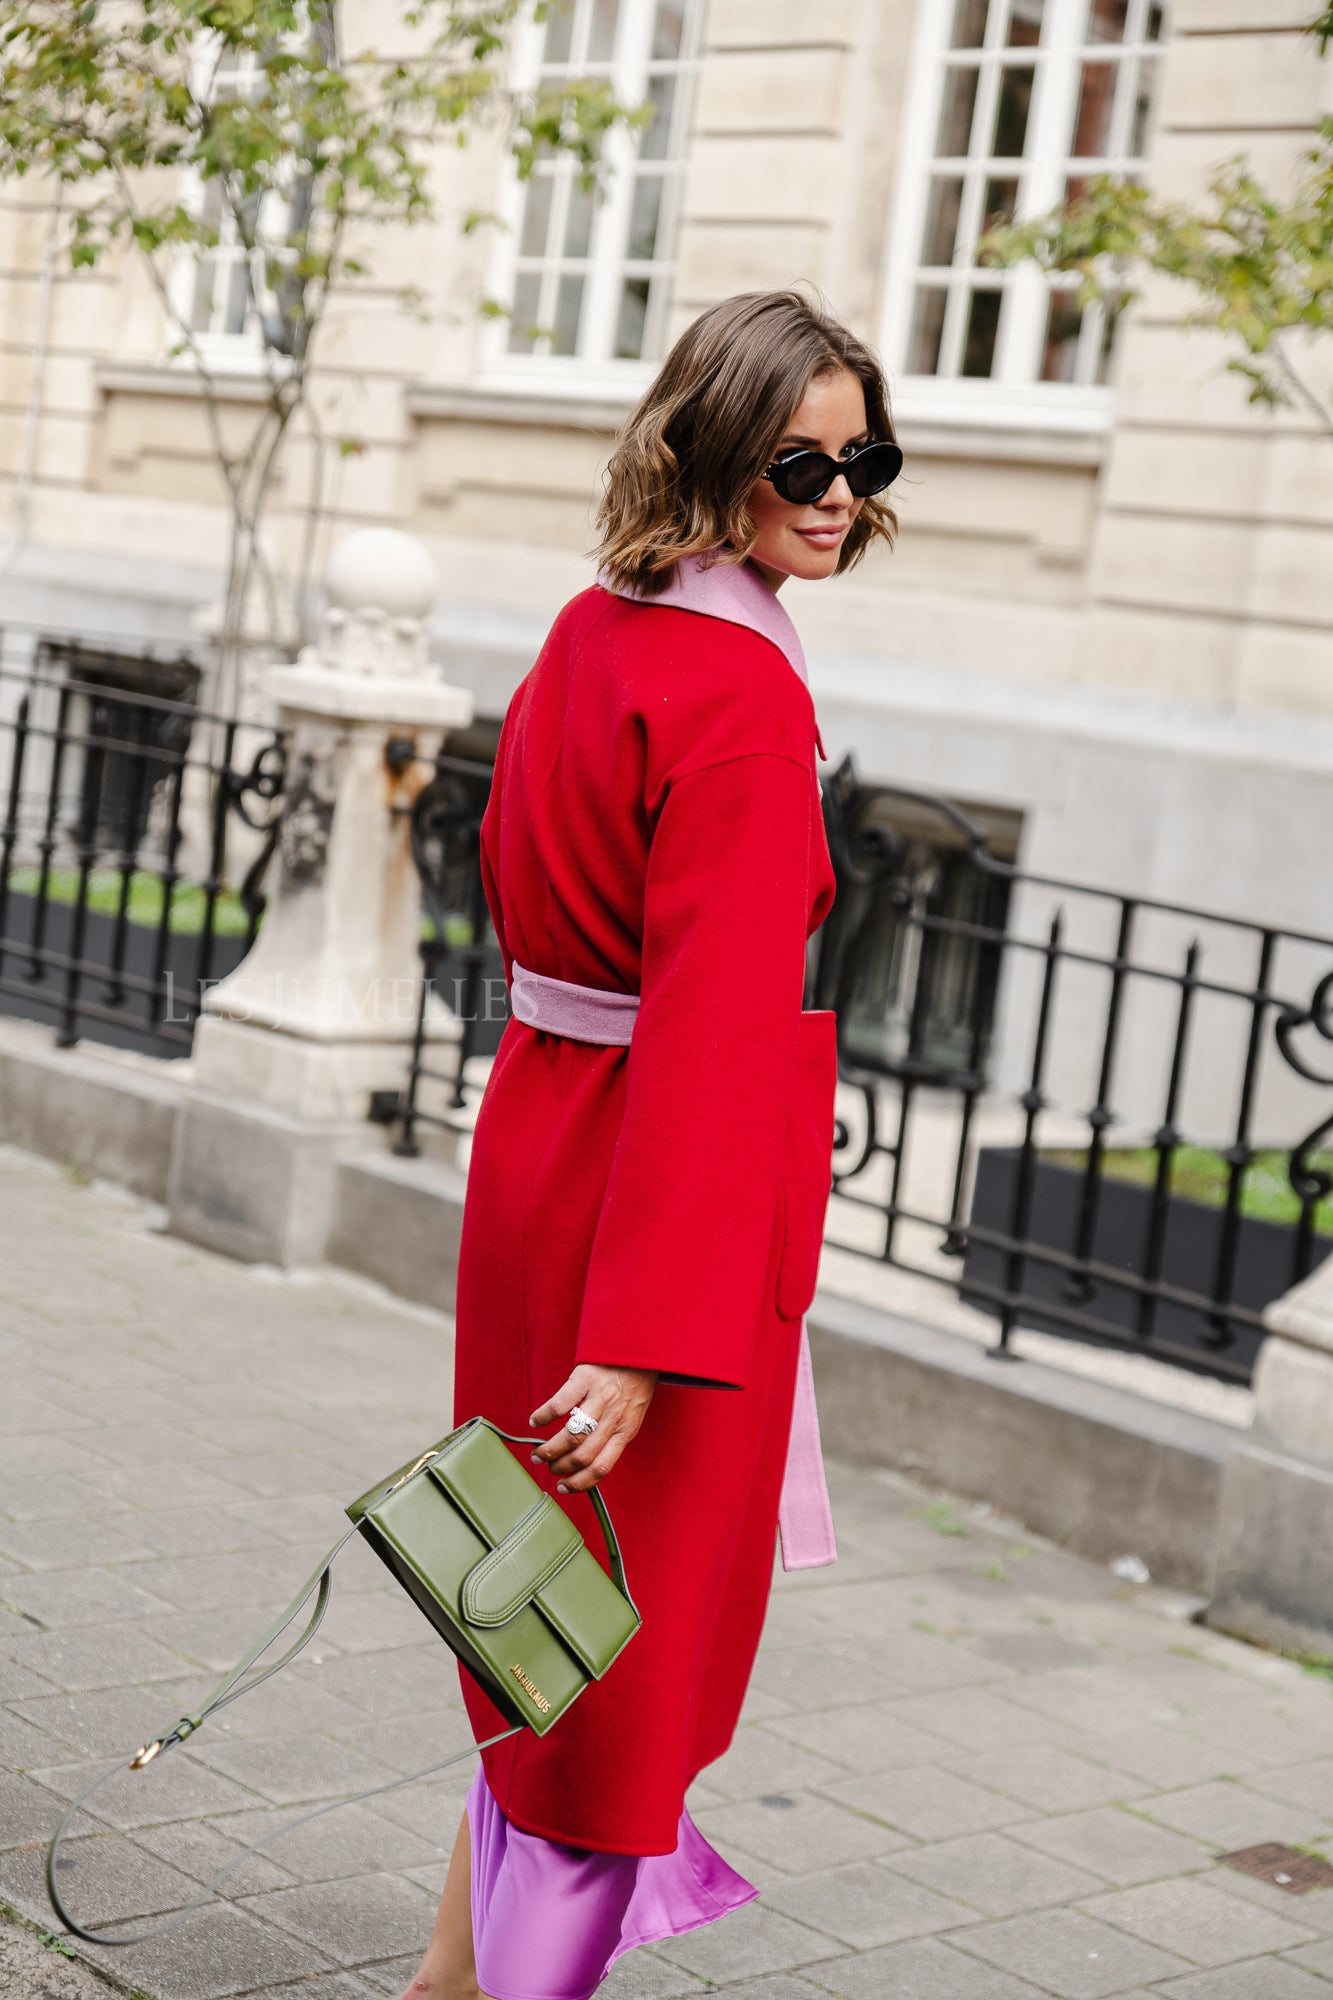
{"type": "Point", "coordinates": [461, 964]}
{"type": "Point", "coordinates": [135, 830]}
{"type": "Point", "coordinates": [1087, 1113]}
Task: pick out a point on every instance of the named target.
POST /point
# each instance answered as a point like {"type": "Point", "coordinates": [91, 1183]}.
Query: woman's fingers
{"type": "Point", "coordinates": [617, 1398]}
{"type": "Point", "coordinates": [587, 1395]}
{"type": "Point", "coordinates": [582, 1480]}
{"type": "Point", "coordinates": [568, 1454]}
{"type": "Point", "coordinates": [560, 1404]}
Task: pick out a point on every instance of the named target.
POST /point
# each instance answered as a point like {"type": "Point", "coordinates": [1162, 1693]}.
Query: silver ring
{"type": "Point", "coordinates": [579, 1424]}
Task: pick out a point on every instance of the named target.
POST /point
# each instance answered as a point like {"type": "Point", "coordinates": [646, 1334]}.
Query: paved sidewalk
{"type": "Point", "coordinates": [973, 1767]}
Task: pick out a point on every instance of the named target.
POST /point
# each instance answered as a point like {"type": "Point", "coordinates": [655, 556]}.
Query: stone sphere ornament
{"type": "Point", "coordinates": [380, 586]}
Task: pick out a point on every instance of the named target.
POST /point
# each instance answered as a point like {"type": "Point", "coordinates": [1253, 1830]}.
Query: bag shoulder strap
{"type": "Point", "coordinates": [230, 1689]}
{"type": "Point", "coordinates": [234, 1684]}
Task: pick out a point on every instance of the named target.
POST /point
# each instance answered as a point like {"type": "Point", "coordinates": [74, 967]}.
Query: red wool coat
{"type": "Point", "coordinates": [654, 828]}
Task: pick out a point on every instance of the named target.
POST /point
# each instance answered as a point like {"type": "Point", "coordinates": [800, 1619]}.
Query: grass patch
{"type": "Point", "coordinates": [942, 1519]}
{"type": "Point", "coordinates": [1202, 1175]}
{"type": "Point", "coordinates": [144, 905]}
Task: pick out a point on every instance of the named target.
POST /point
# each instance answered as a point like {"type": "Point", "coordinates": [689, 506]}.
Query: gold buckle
{"type": "Point", "coordinates": [144, 1757]}
{"type": "Point", "coordinates": [411, 1472]}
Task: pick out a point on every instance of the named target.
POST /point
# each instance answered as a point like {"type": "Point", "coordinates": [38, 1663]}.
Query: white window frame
{"type": "Point", "coordinates": [1012, 396]}
{"type": "Point", "coordinates": [241, 352]}
{"type": "Point", "coordinates": [578, 375]}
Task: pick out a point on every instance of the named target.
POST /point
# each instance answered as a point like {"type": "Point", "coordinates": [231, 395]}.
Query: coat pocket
{"type": "Point", "coordinates": [807, 1157]}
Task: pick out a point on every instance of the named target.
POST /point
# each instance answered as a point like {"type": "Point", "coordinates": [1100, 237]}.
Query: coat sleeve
{"type": "Point", "coordinates": [681, 1255]}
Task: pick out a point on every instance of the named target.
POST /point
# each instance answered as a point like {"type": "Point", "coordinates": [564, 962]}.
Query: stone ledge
{"type": "Point", "coordinates": [161, 378]}
{"type": "Point", "coordinates": [107, 1113]}
{"type": "Point", "coordinates": [1100, 1470]}
{"type": "Point", "coordinates": [399, 1222]}
{"type": "Point", "coordinates": [525, 403]}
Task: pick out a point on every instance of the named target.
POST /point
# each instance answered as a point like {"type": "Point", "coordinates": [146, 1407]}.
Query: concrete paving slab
{"type": "Point", "coordinates": [38, 1972]}
{"type": "Point", "coordinates": [972, 1766]}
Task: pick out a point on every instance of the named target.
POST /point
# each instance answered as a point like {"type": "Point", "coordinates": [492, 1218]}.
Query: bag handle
{"type": "Point", "coordinates": [599, 1508]}
{"type": "Point", "coordinates": [319, 1585]}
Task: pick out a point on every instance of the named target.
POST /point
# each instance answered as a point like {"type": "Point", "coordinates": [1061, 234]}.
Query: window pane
{"type": "Point", "coordinates": [946, 198]}
{"type": "Point", "coordinates": [201, 309]}
{"type": "Point", "coordinates": [1138, 137]}
{"type": "Point", "coordinates": [1025, 23]}
{"type": "Point", "coordinates": [960, 97]}
{"type": "Point", "coordinates": [1000, 203]}
{"type": "Point", "coordinates": [927, 326]}
{"type": "Point", "coordinates": [523, 313]}
{"type": "Point", "coordinates": [983, 321]}
{"type": "Point", "coordinates": [1155, 22]}
{"type": "Point", "coordinates": [568, 306]}
{"type": "Point", "coordinates": [602, 40]}
{"type": "Point", "coordinates": [1011, 118]}
{"type": "Point", "coordinates": [630, 319]}
{"type": "Point", "coordinates": [1113, 309]}
{"type": "Point", "coordinates": [536, 215]}
{"type": "Point", "coordinates": [1096, 99]}
{"type": "Point", "coordinates": [238, 297]}
{"type": "Point", "coordinates": [1107, 21]}
{"type": "Point", "coordinates": [969, 24]}
{"type": "Point", "coordinates": [559, 29]}
{"type": "Point", "coordinates": [1060, 349]}
{"type": "Point", "coordinates": [644, 212]}
{"type": "Point", "coordinates": [578, 220]}
{"type": "Point", "coordinates": [653, 141]}
{"type": "Point", "coordinates": [669, 30]}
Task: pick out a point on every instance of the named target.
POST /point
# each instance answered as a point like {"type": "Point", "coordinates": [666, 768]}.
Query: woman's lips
{"type": "Point", "coordinates": [823, 538]}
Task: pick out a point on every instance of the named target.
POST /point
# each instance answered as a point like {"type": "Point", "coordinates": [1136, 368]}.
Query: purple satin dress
{"type": "Point", "coordinates": [549, 1922]}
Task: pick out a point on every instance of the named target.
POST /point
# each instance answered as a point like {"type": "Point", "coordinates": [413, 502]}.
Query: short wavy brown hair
{"type": "Point", "coordinates": [685, 461]}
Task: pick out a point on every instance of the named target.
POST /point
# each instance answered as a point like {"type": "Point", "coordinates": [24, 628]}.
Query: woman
{"type": "Point", "coordinates": [643, 1225]}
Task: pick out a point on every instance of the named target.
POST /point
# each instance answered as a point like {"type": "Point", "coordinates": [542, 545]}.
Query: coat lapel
{"type": "Point", "coordinates": [734, 592]}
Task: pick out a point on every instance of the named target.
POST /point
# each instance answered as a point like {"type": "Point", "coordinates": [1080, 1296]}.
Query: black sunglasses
{"type": "Point", "coordinates": [805, 476]}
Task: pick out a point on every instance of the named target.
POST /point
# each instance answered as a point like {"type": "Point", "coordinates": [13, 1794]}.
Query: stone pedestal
{"type": "Point", "coordinates": [323, 1011]}
{"type": "Point", "coordinates": [1274, 1581]}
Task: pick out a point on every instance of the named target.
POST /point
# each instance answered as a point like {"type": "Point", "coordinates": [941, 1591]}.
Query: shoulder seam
{"type": "Point", "coordinates": [741, 757]}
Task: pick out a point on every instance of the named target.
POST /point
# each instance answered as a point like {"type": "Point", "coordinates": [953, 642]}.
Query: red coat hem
{"type": "Point", "coordinates": [526, 1825]}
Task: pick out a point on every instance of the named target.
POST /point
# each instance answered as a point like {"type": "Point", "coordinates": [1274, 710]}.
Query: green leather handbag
{"type": "Point", "coordinates": [502, 1574]}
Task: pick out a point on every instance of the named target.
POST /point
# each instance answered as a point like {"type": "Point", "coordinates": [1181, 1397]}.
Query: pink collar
{"type": "Point", "coordinates": [733, 591]}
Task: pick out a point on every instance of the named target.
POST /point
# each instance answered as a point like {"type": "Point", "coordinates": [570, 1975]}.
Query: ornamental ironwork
{"type": "Point", "coordinates": [135, 831]}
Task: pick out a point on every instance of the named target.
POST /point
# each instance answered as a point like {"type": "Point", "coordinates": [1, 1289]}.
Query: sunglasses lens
{"type": "Point", "coordinates": [873, 469]}
{"type": "Point", "coordinates": [806, 477]}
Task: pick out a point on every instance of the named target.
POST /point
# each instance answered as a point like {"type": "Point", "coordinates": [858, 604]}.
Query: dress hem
{"type": "Point", "coordinates": [699, 1897]}
{"type": "Point", "coordinates": [722, 1909]}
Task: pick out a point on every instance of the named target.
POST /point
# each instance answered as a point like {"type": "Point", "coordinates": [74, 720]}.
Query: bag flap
{"type": "Point", "coordinates": [523, 1563]}
{"type": "Point", "coordinates": [486, 1483]}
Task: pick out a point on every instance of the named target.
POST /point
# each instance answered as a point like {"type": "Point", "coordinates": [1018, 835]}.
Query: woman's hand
{"type": "Point", "coordinates": [618, 1398]}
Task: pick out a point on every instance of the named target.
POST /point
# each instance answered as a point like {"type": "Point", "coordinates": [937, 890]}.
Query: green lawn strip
{"type": "Point", "coordinates": [188, 901]}
{"type": "Point", "coordinates": [230, 918]}
{"type": "Point", "coordinates": [1201, 1175]}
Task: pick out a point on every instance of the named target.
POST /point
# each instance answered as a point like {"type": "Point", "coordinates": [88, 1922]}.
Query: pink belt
{"type": "Point", "coordinates": [594, 1014]}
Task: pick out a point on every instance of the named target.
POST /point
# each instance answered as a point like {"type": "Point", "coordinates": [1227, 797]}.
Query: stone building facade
{"type": "Point", "coordinates": [1108, 625]}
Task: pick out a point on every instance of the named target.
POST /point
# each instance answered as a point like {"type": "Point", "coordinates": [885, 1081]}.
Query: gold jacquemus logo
{"type": "Point", "coordinates": [531, 1688]}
